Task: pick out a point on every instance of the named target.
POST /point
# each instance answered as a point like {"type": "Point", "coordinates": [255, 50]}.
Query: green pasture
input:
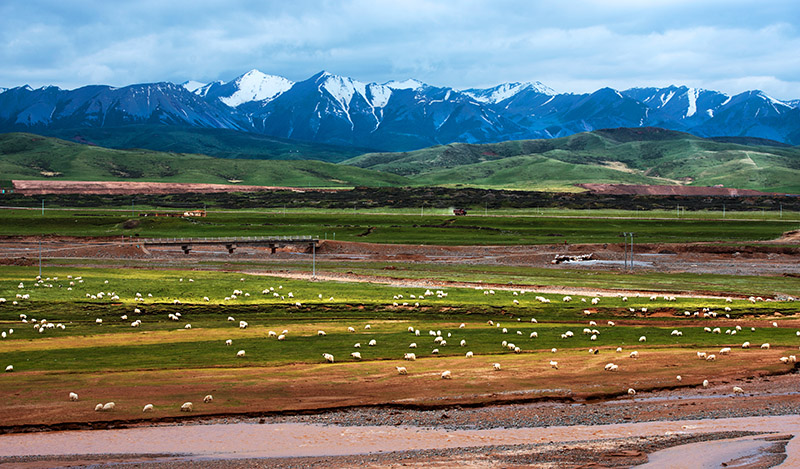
{"type": "Point", "coordinates": [161, 343]}
{"type": "Point", "coordinates": [393, 228]}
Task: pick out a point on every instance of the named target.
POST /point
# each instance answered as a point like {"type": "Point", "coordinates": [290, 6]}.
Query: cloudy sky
{"type": "Point", "coordinates": [571, 46]}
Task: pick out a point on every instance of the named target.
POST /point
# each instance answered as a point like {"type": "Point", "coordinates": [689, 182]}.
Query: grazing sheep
{"type": "Point", "coordinates": [410, 356]}
{"type": "Point", "coordinates": [9, 368]}
{"type": "Point", "coordinates": [634, 354]}
{"type": "Point", "coordinates": [463, 343]}
{"type": "Point", "coordinates": [356, 355]}
{"type": "Point", "coordinates": [187, 407]}
{"type": "Point", "coordinates": [496, 367]}
{"type": "Point", "coordinates": [553, 364]}
{"type": "Point", "coordinates": [328, 357]}
{"type": "Point", "coordinates": [229, 342]}
{"type": "Point", "coordinates": [374, 342]}
{"type": "Point", "coordinates": [642, 339]}
{"type": "Point", "coordinates": [412, 345]}
{"type": "Point", "coordinates": [746, 345]}
{"type": "Point", "coordinates": [469, 355]}
{"type": "Point", "coordinates": [108, 406]}
{"type": "Point", "coordinates": [725, 351]}
{"type": "Point", "coordinates": [705, 383]}
{"type": "Point", "coordinates": [435, 351]}
{"type": "Point", "coordinates": [711, 358]}
{"type": "Point", "coordinates": [367, 327]}
{"type": "Point", "coordinates": [765, 346]}
{"type": "Point", "coordinates": [631, 392]}
{"type": "Point", "coordinates": [738, 390]}
{"type": "Point", "coordinates": [534, 335]}
{"type": "Point", "coordinates": [188, 326]}
{"type": "Point", "coordinates": [147, 408]}
{"type": "Point", "coordinates": [240, 354]}
{"type": "Point", "coordinates": [73, 396]}
{"type": "Point", "coordinates": [784, 360]}
{"type": "Point", "coordinates": [679, 378]}
{"type": "Point", "coordinates": [98, 407]}
{"type": "Point", "coordinates": [554, 350]}
{"type": "Point", "coordinates": [401, 370]}
{"type": "Point", "coordinates": [98, 321]}
{"type": "Point", "coordinates": [462, 326]}
{"type": "Point", "coordinates": [243, 324]}
{"type": "Point", "coordinates": [701, 355]}
{"type": "Point", "coordinates": [446, 375]}
{"type": "Point", "coordinates": [353, 329]}
{"type": "Point", "coordinates": [208, 398]}
{"type": "Point", "coordinates": [282, 337]}
{"type": "Point", "coordinates": [321, 333]}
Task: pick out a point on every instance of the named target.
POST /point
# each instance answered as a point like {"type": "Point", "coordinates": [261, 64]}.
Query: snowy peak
{"type": "Point", "coordinates": [255, 86]}
{"type": "Point", "coordinates": [410, 84]}
{"type": "Point", "coordinates": [192, 85]}
{"type": "Point", "coordinates": [505, 91]}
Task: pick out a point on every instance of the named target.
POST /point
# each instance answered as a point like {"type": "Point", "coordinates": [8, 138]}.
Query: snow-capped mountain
{"type": "Point", "coordinates": [252, 86]}
{"type": "Point", "coordinates": [506, 91]}
{"type": "Point", "coordinates": [397, 115]}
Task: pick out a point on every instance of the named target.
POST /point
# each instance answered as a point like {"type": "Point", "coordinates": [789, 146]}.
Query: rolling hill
{"type": "Point", "coordinates": [27, 156]}
{"type": "Point", "coordinates": [629, 156]}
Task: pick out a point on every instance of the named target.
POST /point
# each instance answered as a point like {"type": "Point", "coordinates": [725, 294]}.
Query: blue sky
{"type": "Point", "coordinates": [570, 46]}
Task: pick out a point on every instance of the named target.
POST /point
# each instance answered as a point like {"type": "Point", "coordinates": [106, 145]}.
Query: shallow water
{"type": "Point", "coordinates": [252, 440]}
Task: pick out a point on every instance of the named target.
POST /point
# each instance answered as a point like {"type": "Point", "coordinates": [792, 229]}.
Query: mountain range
{"type": "Point", "coordinates": [392, 116]}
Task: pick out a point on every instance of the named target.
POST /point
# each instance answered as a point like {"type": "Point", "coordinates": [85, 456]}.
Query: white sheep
{"type": "Point", "coordinates": [356, 355]}
{"type": "Point", "coordinates": [98, 407]}
{"type": "Point", "coordinates": [446, 375]}
{"type": "Point", "coordinates": [765, 346]}
{"type": "Point", "coordinates": [282, 337]}
{"type": "Point", "coordinates": [187, 407]}
{"type": "Point", "coordinates": [321, 333]}
{"type": "Point", "coordinates": [634, 354]}
{"type": "Point", "coordinates": [229, 342]}
{"type": "Point", "coordinates": [240, 354]}
{"type": "Point", "coordinates": [243, 324]}
{"type": "Point", "coordinates": [109, 406]}
{"type": "Point", "coordinates": [701, 355]}
{"type": "Point", "coordinates": [401, 370]}
{"type": "Point", "coordinates": [553, 364]}
{"type": "Point", "coordinates": [705, 383]}
{"type": "Point", "coordinates": [148, 408]}
{"type": "Point", "coordinates": [738, 390]}
{"type": "Point", "coordinates": [711, 358]}
{"type": "Point", "coordinates": [328, 357]}
{"type": "Point", "coordinates": [435, 351]}
{"type": "Point", "coordinates": [188, 326]}
{"type": "Point", "coordinates": [469, 355]}
{"type": "Point", "coordinates": [643, 339]}
{"type": "Point", "coordinates": [631, 392]}
{"type": "Point", "coordinates": [9, 368]}
{"type": "Point", "coordinates": [372, 343]}
{"type": "Point", "coordinates": [679, 378]}
{"type": "Point", "coordinates": [353, 329]}
{"type": "Point", "coordinates": [496, 367]}
{"type": "Point", "coordinates": [725, 351]}
{"type": "Point", "coordinates": [208, 398]}
{"type": "Point", "coordinates": [73, 396]}
{"type": "Point", "coordinates": [409, 356]}
{"type": "Point", "coordinates": [746, 345]}
{"type": "Point", "coordinates": [272, 334]}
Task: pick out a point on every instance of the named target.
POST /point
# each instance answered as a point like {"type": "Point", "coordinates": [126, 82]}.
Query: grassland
{"type": "Point", "coordinates": [162, 361]}
{"type": "Point", "coordinates": [394, 228]}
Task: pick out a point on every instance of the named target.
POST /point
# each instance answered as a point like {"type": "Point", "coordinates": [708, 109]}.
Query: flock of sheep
{"type": "Point", "coordinates": [437, 339]}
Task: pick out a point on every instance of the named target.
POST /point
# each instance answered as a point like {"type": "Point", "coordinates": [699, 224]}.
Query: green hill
{"type": "Point", "coordinates": [27, 156]}
{"type": "Point", "coordinates": [220, 143]}
{"type": "Point", "coordinates": [627, 156]}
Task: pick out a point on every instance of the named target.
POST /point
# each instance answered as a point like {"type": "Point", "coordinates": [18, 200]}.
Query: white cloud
{"type": "Point", "coordinates": [570, 46]}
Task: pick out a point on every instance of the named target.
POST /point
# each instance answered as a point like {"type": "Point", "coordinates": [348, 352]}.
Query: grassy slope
{"type": "Point", "coordinates": [26, 156]}
{"type": "Point", "coordinates": [220, 143]}
{"type": "Point", "coordinates": [646, 156]}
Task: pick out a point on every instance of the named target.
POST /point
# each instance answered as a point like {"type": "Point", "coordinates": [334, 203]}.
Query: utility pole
{"type": "Point", "coordinates": [625, 250]}
{"type": "Point", "coordinates": [631, 251]}
{"type": "Point", "coordinates": [313, 260]}
{"type": "Point", "coordinates": [42, 207]}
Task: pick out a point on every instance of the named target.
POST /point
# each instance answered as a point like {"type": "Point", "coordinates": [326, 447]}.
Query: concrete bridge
{"type": "Point", "coordinates": [231, 243]}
